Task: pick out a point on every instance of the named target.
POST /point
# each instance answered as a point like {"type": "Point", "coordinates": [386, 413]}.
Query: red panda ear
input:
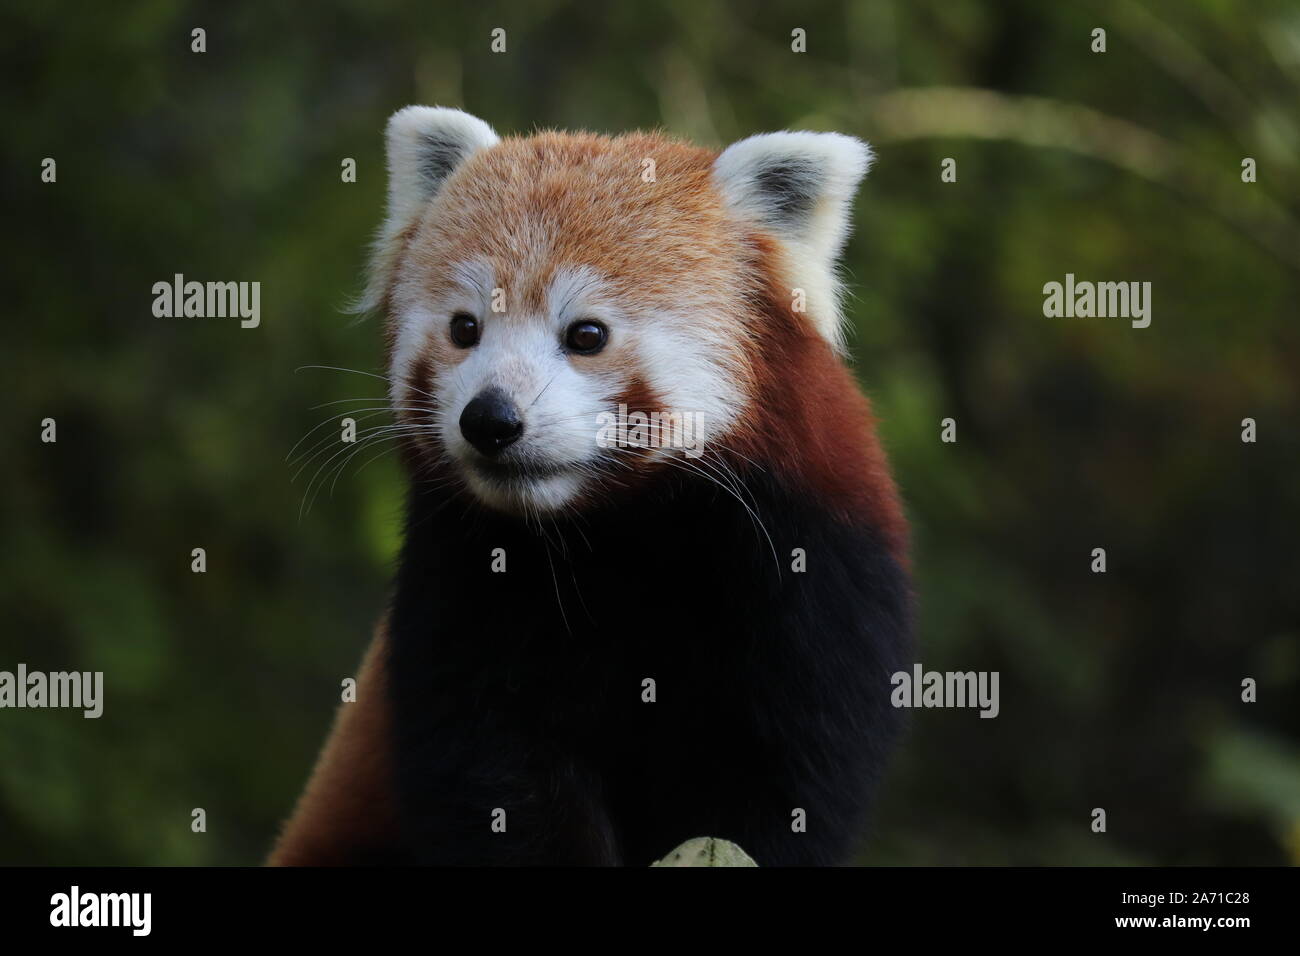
{"type": "Point", "coordinates": [425, 146]}
{"type": "Point", "coordinates": [799, 187]}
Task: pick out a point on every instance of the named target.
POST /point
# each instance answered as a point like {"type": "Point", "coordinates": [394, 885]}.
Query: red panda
{"type": "Point", "coordinates": [654, 577]}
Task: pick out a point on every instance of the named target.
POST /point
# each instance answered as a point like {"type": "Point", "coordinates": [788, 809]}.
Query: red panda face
{"type": "Point", "coordinates": [568, 312]}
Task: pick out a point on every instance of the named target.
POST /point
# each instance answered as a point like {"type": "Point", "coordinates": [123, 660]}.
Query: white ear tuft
{"type": "Point", "coordinates": [799, 187]}
{"type": "Point", "coordinates": [425, 145]}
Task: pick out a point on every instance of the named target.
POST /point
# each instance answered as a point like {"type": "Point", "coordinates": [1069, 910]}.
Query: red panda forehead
{"type": "Point", "coordinates": [641, 211]}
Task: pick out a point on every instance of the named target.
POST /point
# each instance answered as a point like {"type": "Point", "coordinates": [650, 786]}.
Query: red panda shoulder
{"type": "Point", "coordinates": [810, 423]}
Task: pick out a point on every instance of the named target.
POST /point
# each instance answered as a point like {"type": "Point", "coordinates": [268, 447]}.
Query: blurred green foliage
{"type": "Point", "coordinates": [1119, 690]}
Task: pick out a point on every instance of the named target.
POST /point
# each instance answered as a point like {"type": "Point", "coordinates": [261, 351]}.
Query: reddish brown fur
{"type": "Point", "coordinates": [347, 808]}
{"type": "Point", "coordinates": [638, 396]}
{"type": "Point", "coordinates": [579, 200]}
{"type": "Point", "coordinates": [810, 420]}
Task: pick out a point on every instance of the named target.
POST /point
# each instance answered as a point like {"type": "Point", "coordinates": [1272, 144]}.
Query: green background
{"type": "Point", "coordinates": [1119, 691]}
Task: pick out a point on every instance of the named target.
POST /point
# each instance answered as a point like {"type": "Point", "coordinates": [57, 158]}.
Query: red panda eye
{"type": "Point", "coordinates": [464, 329]}
{"type": "Point", "coordinates": [586, 337]}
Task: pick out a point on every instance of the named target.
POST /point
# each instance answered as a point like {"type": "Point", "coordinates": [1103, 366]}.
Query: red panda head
{"type": "Point", "coordinates": [545, 292]}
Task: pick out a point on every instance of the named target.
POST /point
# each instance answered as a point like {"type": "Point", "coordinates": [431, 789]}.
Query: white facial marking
{"type": "Point", "coordinates": [560, 396]}
{"type": "Point", "coordinates": [472, 293]}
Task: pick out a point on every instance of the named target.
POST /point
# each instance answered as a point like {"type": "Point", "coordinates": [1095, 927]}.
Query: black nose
{"type": "Point", "coordinates": [490, 422]}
